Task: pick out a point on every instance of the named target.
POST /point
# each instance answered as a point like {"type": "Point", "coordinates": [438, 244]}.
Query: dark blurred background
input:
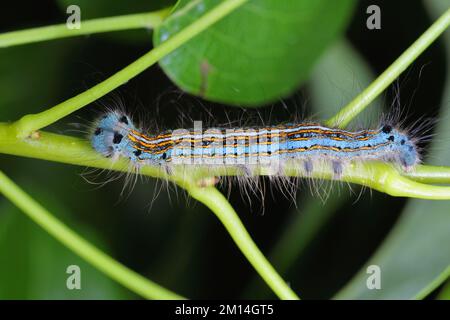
{"type": "Point", "coordinates": [175, 241]}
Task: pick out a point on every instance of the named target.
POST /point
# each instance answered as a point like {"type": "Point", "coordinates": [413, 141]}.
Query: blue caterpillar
{"type": "Point", "coordinates": [114, 135]}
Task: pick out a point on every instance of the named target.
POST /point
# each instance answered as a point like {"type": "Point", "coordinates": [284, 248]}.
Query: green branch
{"type": "Point", "coordinates": [127, 22]}
{"type": "Point", "coordinates": [299, 229]}
{"type": "Point", "coordinates": [80, 246]}
{"type": "Point", "coordinates": [346, 114]}
{"type": "Point", "coordinates": [218, 204]}
{"type": "Point", "coordinates": [430, 174]}
{"type": "Point", "coordinates": [32, 122]}
{"type": "Point", "coordinates": [376, 175]}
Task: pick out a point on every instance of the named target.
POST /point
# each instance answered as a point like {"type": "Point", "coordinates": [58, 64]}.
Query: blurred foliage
{"type": "Point", "coordinates": [35, 262]}
{"type": "Point", "coordinates": [178, 243]}
{"type": "Point", "coordinates": [23, 91]}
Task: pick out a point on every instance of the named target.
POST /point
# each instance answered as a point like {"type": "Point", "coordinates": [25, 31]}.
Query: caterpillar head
{"type": "Point", "coordinates": [109, 134]}
{"type": "Point", "coordinates": [403, 146]}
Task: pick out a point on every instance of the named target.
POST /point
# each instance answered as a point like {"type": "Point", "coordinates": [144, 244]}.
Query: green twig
{"type": "Point", "coordinates": [81, 247]}
{"type": "Point", "coordinates": [32, 122]}
{"type": "Point", "coordinates": [218, 204]}
{"type": "Point", "coordinates": [127, 22]}
{"type": "Point", "coordinates": [430, 174]}
{"type": "Point", "coordinates": [376, 175]}
{"type": "Point", "coordinates": [346, 114]}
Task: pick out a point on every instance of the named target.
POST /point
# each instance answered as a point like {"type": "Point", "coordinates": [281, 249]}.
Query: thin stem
{"type": "Point", "coordinates": [346, 114]}
{"type": "Point", "coordinates": [80, 246]}
{"type": "Point", "coordinates": [218, 204]}
{"type": "Point", "coordinates": [32, 122]}
{"type": "Point", "coordinates": [430, 174]}
{"type": "Point", "coordinates": [376, 175]}
{"type": "Point", "coordinates": [127, 22]}
{"type": "Point", "coordinates": [303, 225]}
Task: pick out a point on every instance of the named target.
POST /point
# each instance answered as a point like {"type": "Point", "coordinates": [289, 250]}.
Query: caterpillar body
{"type": "Point", "coordinates": [304, 144]}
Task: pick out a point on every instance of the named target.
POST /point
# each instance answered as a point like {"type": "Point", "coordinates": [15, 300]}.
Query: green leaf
{"type": "Point", "coordinates": [256, 55]}
{"type": "Point", "coordinates": [107, 8]}
{"type": "Point", "coordinates": [415, 257]}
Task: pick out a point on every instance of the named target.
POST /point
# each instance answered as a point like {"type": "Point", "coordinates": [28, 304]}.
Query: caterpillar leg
{"type": "Point", "coordinates": [337, 169]}
{"type": "Point", "coordinates": [208, 182]}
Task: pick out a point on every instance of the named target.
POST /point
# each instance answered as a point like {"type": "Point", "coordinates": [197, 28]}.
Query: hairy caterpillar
{"type": "Point", "coordinates": [304, 144]}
